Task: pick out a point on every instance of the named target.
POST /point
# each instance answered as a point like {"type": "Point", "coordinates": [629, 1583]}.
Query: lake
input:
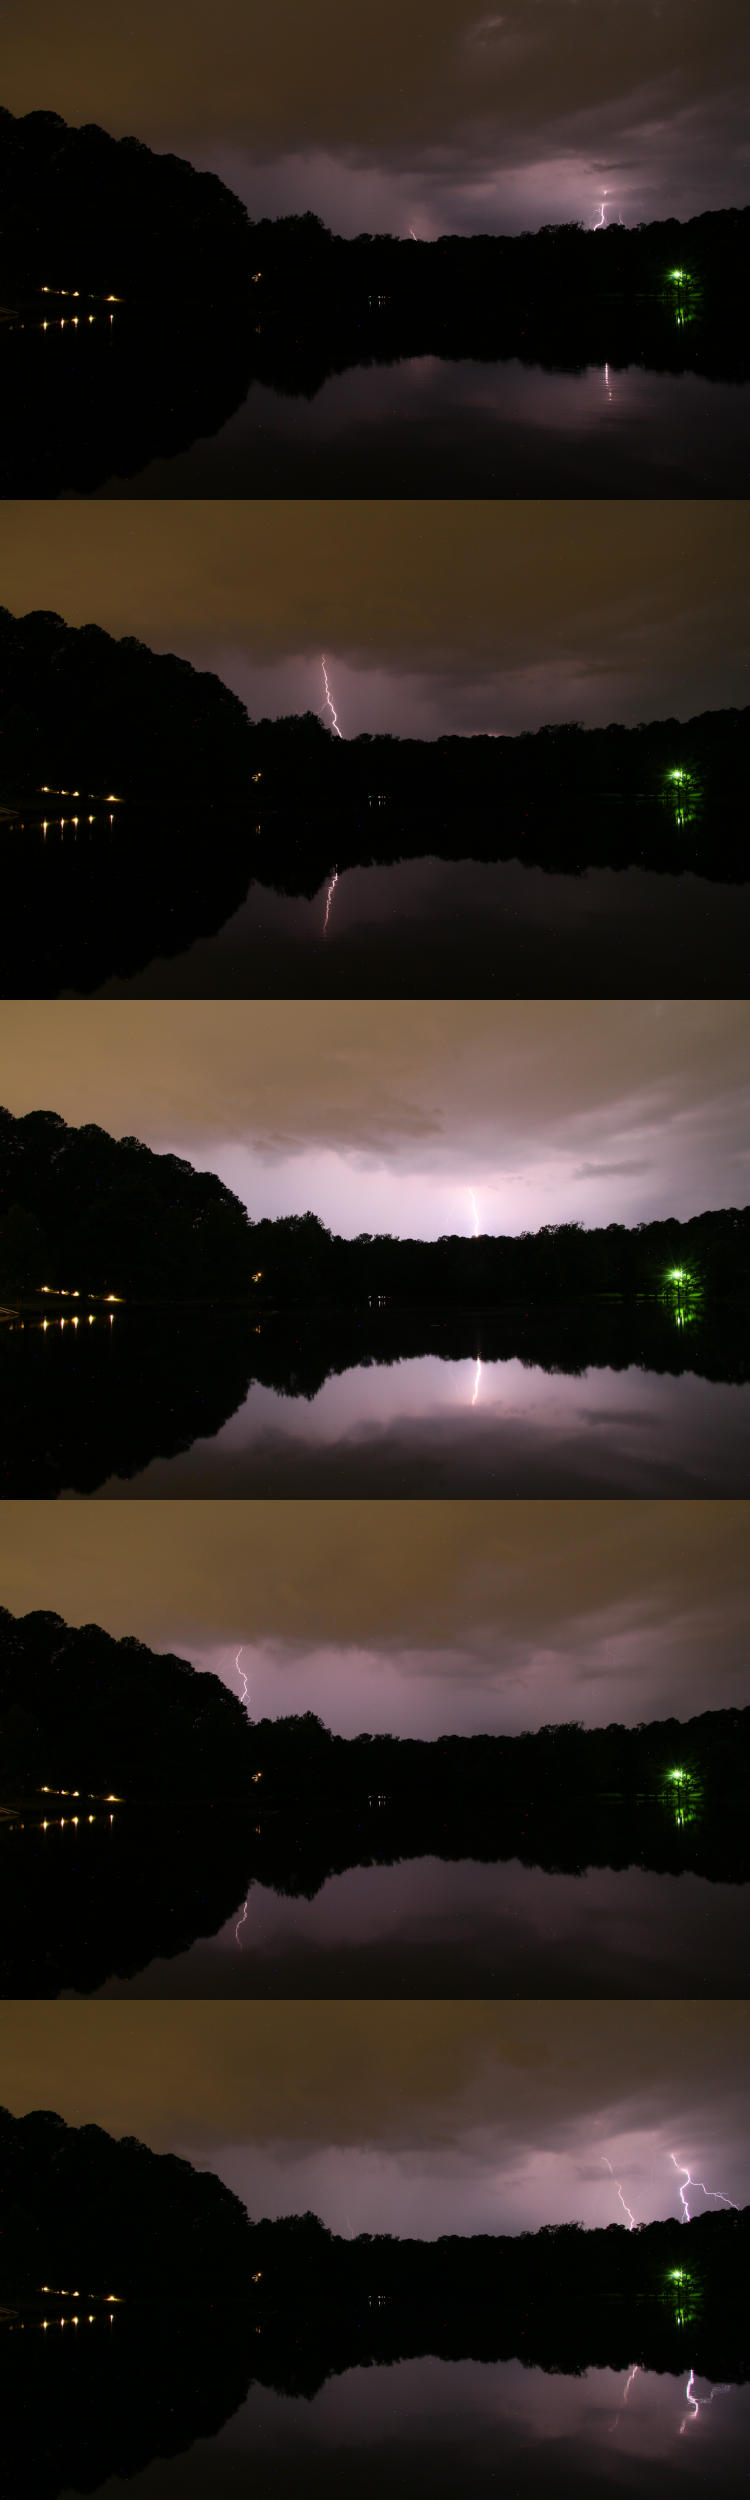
{"type": "Point", "coordinates": [432, 928]}
{"type": "Point", "coordinates": [593, 1400]}
{"type": "Point", "coordinates": [195, 401]}
{"type": "Point", "coordinates": [600, 899]}
{"type": "Point", "coordinates": [425, 427]}
{"type": "Point", "coordinates": [428, 1928]}
{"type": "Point", "coordinates": [434, 1427]}
{"type": "Point", "coordinates": [431, 2427]}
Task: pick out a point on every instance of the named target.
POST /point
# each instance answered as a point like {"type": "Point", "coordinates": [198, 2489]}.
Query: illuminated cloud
{"type": "Point", "coordinates": [467, 1615]}
{"type": "Point", "coordinates": [418, 2116]}
{"type": "Point", "coordinates": [381, 1118]}
{"type": "Point", "coordinates": [502, 120]}
{"type": "Point", "coordinates": [434, 616]}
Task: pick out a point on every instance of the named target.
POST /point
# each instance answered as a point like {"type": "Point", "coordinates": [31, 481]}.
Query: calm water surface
{"type": "Point", "coordinates": [437, 2427]}
{"type": "Point", "coordinates": [427, 427]}
{"type": "Point", "coordinates": [433, 928]}
{"type": "Point", "coordinates": [428, 1928]}
{"type": "Point", "coordinates": [433, 1427]}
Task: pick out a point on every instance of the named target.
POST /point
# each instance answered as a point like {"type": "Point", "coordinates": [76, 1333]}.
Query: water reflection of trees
{"type": "Point", "coordinates": [298, 2307]}
{"type": "Point", "coordinates": [209, 1802]}
{"type": "Point", "coordinates": [82, 1405]}
{"type": "Point", "coordinates": [85, 907]}
{"type": "Point", "coordinates": [160, 1879]}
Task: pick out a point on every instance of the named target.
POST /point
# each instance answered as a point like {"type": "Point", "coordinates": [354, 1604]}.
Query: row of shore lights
{"type": "Point", "coordinates": [72, 319]}
{"type": "Point", "coordinates": [73, 1294]}
{"type": "Point", "coordinates": [110, 800]}
{"type": "Point", "coordinates": [109, 2300]}
{"type": "Point", "coordinates": [74, 1820]}
{"type": "Point", "coordinates": [74, 1322]}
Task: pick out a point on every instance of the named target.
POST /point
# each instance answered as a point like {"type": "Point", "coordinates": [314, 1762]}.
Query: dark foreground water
{"type": "Point", "coordinates": [587, 901]}
{"type": "Point", "coordinates": [433, 2427]}
{"type": "Point", "coordinates": [433, 928]}
{"type": "Point", "coordinates": [427, 427]}
{"type": "Point", "coordinates": [425, 1928]}
{"type": "Point", "coordinates": [370, 1896]}
{"type": "Point", "coordinates": [435, 1427]}
{"type": "Point", "coordinates": [593, 1400]}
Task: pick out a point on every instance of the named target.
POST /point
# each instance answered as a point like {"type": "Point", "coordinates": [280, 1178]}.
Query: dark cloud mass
{"type": "Point", "coordinates": [387, 1117]}
{"type": "Point", "coordinates": [434, 617]}
{"type": "Point", "coordinates": [415, 1617]}
{"type": "Point", "coordinates": [422, 2116]}
{"type": "Point", "coordinates": [470, 119]}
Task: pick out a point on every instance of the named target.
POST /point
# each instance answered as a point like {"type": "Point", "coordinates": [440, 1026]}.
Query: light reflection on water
{"type": "Point", "coordinates": [424, 426]}
{"type": "Point", "coordinates": [428, 1927]}
{"type": "Point", "coordinates": [416, 1427]}
{"type": "Point", "coordinates": [441, 2427]}
{"type": "Point", "coordinates": [430, 927]}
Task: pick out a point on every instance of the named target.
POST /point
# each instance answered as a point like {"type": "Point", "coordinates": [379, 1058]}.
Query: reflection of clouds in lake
{"type": "Point", "coordinates": [405, 1427]}
{"type": "Point", "coordinates": [425, 1928]}
{"type": "Point", "coordinates": [427, 926]}
{"type": "Point", "coordinates": [557, 2432]}
{"type": "Point", "coordinates": [426, 427]}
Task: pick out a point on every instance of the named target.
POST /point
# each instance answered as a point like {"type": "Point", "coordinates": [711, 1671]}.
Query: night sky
{"type": "Point", "coordinates": [384, 1116]}
{"type": "Point", "coordinates": [415, 1617]}
{"type": "Point", "coordinates": [420, 2117]}
{"type": "Point", "coordinates": [433, 617]}
{"type": "Point", "coordinates": [466, 120]}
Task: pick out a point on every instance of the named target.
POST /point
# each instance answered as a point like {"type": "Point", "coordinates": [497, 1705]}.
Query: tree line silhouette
{"type": "Point", "coordinates": [80, 1708]}
{"type": "Point", "coordinates": [89, 211]}
{"type": "Point", "coordinates": [148, 1881]}
{"type": "Point", "coordinates": [85, 1403]}
{"type": "Point", "coordinates": [208, 303]}
{"type": "Point", "coordinates": [102, 1215]}
{"type": "Point", "coordinates": [161, 734]}
{"type": "Point", "coordinates": [111, 2216]}
{"type": "Point", "coordinates": [85, 211]}
{"type": "Point", "coordinates": [85, 905]}
{"type": "Point", "coordinates": [142, 1793]}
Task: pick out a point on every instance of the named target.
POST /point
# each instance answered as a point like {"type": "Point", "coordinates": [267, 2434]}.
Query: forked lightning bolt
{"type": "Point", "coordinates": [338, 733]}
{"type": "Point", "coordinates": [714, 2193]}
{"type": "Point", "coordinates": [698, 2403]}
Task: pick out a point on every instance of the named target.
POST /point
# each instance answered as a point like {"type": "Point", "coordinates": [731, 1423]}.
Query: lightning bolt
{"type": "Point", "coordinates": [714, 2193]}
{"type": "Point", "coordinates": [475, 1213]}
{"type": "Point", "coordinates": [241, 1920]}
{"type": "Point", "coordinates": [602, 220]}
{"type": "Point", "coordinates": [697, 2403]}
{"type": "Point", "coordinates": [626, 2208]}
{"type": "Point", "coordinates": [244, 1695]}
{"type": "Point", "coordinates": [477, 1378]}
{"type": "Point", "coordinates": [331, 891]}
{"type": "Point", "coordinates": [338, 733]}
{"type": "Point", "coordinates": [412, 233]}
{"type": "Point", "coordinates": [632, 2374]}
